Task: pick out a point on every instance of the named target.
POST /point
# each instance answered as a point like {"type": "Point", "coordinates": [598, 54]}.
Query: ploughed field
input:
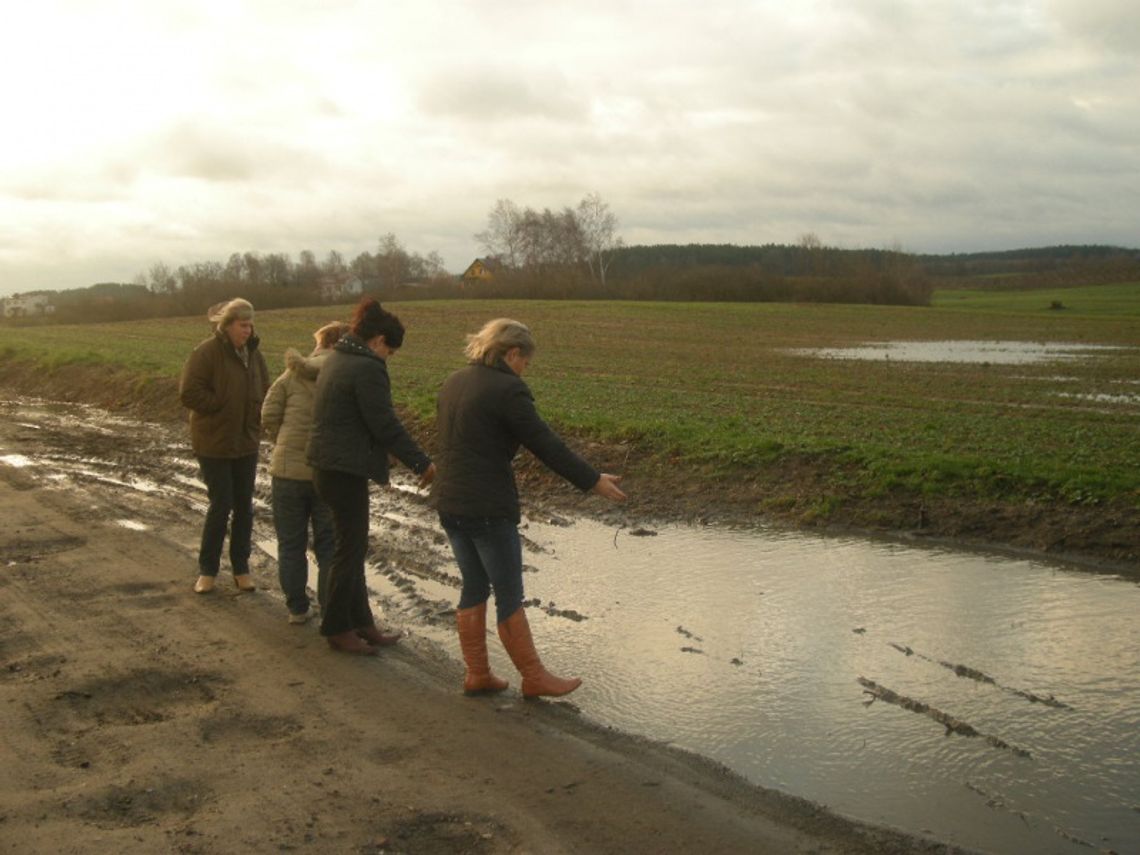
{"type": "Point", "coordinates": [736, 411]}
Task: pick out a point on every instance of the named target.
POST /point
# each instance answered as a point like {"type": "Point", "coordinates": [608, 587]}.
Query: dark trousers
{"type": "Point", "coordinates": [296, 508]}
{"type": "Point", "coordinates": [347, 607]}
{"type": "Point", "coordinates": [229, 486]}
{"type": "Point", "coordinates": [489, 554]}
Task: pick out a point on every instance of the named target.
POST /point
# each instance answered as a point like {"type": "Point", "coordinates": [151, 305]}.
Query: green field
{"type": "Point", "coordinates": [718, 385]}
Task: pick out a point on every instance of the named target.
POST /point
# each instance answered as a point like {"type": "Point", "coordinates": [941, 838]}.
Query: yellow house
{"type": "Point", "coordinates": [480, 270]}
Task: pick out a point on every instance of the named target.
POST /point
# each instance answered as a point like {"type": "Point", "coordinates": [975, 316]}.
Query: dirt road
{"type": "Point", "coordinates": [139, 717]}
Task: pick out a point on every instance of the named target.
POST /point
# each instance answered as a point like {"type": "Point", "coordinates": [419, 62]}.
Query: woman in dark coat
{"type": "Point", "coordinates": [354, 430]}
{"type": "Point", "coordinates": [485, 412]}
{"type": "Point", "coordinates": [223, 384]}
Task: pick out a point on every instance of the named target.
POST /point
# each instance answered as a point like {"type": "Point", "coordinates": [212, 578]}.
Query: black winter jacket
{"type": "Point", "coordinates": [484, 414]}
{"type": "Point", "coordinates": [354, 424]}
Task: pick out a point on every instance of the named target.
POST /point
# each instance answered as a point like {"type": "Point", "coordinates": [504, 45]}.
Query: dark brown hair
{"type": "Point", "coordinates": [369, 321]}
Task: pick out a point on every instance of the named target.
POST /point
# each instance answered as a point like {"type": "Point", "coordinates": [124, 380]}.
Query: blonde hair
{"type": "Point", "coordinates": [222, 314]}
{"type": "Point", "coordinates": [330, 334]}
{"type": "Point", "coordinates": [496, 337]}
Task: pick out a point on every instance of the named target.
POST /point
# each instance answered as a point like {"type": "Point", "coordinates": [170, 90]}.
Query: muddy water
{"type": "Point", "coordinates": [989, 702]}
{"type": "Point", "coordinates": [992, 352]}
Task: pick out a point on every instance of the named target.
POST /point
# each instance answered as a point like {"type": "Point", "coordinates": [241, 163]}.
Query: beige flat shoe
{"type": "Point", "coordinates": [204, 585]}
{"type": "Point", "coordinates": [244, 582]}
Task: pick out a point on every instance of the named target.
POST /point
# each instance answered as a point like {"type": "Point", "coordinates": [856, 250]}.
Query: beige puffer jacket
{"type": "Point", "coordinates": [287, 414]}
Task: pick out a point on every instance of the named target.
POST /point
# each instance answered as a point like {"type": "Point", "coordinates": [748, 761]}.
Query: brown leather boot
{"type": "Point", "coordinates": [350, 642]}
{"type": "Point", "coordinates": [373, 635]}
{"type": "Point", "coordinates": [514, 632]}
{"type": "Point", "coordinates": [472, 626]}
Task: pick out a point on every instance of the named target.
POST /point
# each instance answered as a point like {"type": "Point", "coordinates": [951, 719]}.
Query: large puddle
{"type": "Point", "coordinates": [993, 703]}
{"type": "Point", "coordinates": [992, 352]}
{"type": "Point", "coordinates": [990, 702]}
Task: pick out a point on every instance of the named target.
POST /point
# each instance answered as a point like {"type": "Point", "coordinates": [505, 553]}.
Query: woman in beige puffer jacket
{"type": "Point", "coordinates": [287, 418]}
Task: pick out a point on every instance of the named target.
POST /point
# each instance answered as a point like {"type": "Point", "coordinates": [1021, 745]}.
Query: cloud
{"type": "Point", "coordinates": [1111, 24]}
{"type": "Point", "coordinates": [184, 131]}
{"type": "Point", "coordinates": [501, 94]}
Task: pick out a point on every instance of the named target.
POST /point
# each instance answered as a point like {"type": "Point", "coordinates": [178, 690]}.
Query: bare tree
{"type": "Point", "coordinates": [162, 281]}
{"type": "Point", "coordinates": [254, 268]}
{"type": "Point", "coordinates": [364, 268]}
{"type": "Point", "coordinates": [334, 265]}
{"type": "Point", "coordinates": [235, 268]}
{"type": "Point", "coordinates": [598, 224]}
{"type": "Point", "coordinates": [503, 236]}
{"type": "Point", "coordinates": [392, 261]}
{"type": "Point", "coordinates": [278, 270]}
{"type": "Point", "coordinates": [433, 265]}
{"type": "Point", "coordinates": [812, 246]}
{"type": "Point", "coordinates": [307, 273]}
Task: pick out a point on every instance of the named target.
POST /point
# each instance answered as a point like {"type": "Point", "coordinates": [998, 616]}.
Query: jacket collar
{"type": "Point", "coordinates": [251, 343]}
{"type": "Point", "coordinates": [355, 346]}
{"type": "Point", "coordinates": [307, 367]}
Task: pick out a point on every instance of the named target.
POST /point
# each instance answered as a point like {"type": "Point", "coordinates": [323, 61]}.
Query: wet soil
{"type": "Point", "coordinates": [140, 717]}
{"type": "Point", "coordinates": [790, 492]}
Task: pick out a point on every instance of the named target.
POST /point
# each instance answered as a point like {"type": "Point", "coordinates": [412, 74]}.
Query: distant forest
{"type": "Point", "coordinates": [806, 271]}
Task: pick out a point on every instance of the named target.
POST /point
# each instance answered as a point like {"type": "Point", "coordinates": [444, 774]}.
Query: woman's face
{"type": "Point", "coordinates": [380, 347]}
{"type": "Point", "coordinates": [239, 333]}
{"type": "Point", "coordinates": [516, 361]}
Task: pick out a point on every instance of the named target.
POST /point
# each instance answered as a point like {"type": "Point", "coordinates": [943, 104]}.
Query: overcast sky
{"type": "Point", "coordinates": [138, 132]}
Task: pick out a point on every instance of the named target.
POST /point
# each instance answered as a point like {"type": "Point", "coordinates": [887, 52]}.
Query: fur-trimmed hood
{"type": "Point", "coordinates": [288, 412]}
{"type": "Point", "coordinates": [306, 367]}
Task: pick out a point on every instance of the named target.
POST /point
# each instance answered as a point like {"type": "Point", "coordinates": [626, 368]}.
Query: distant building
{"type": "Point", "coordinates": [27, 305]}
{"type": "Point", "coordinates": [334, 288]}
{"type": "Point", "coordinates": [480, 270]}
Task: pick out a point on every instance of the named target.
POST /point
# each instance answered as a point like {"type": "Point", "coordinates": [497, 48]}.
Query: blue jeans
{"type": "Point", "coordinates": [489, 554]}
{"type": "Point", "coordinates": [229, 485]}
{"type": "Point", "coordinates": [296, 506]}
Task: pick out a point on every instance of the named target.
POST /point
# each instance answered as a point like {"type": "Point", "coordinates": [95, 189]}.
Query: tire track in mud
{"type": "Point", "coordinates": [974, 674]}
{"type": "Point", "coordinates": [153, 477]}
{"type": "Point", "coordinates": [952, 724]}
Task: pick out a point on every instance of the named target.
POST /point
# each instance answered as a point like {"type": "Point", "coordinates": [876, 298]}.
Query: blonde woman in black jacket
{"type": "Point", "coordinates": [485, 412]}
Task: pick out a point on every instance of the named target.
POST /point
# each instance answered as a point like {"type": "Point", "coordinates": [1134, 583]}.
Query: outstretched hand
{"type": "Point", "coordinates": [607, 487]}
{"type": "Point", "coordinates": [427, 476]}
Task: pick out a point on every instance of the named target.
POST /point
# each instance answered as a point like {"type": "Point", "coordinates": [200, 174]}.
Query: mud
{"type": "Point", "coordinates": [1099, 537]}
{"type": "Point", "coordinates": [139, 717]}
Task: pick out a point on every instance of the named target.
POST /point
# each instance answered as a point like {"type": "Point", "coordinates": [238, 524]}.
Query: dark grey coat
{"type": "Point", "coordinates": [355, 426]}
{"type": "Point", "coordinates": [484, 414]}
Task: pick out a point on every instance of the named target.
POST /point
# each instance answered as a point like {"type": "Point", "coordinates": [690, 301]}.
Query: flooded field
{"type": "Point", "coordinates": [992, 352]}
{"type": "Point", "coordinates": [989, 702]}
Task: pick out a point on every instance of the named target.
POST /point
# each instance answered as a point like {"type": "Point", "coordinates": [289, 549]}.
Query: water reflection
{"type": "Point", "coordinates": [993, 352]}
{"type": "Point", "coordinates": [747, 647]}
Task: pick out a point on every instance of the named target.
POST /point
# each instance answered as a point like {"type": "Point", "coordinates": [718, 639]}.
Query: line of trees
{"type": "Point", "coordinates": [391, 266]}
{"type": "Point", "coordinates": [564, 251]}
{"type": "Point", "coordinates": [576, 253]}
{"type": "Point", "coordinates": [270, 281]}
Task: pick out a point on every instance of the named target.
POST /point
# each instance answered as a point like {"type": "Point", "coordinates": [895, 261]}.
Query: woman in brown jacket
{"type": "Point", "coordinates": [223, 384]}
